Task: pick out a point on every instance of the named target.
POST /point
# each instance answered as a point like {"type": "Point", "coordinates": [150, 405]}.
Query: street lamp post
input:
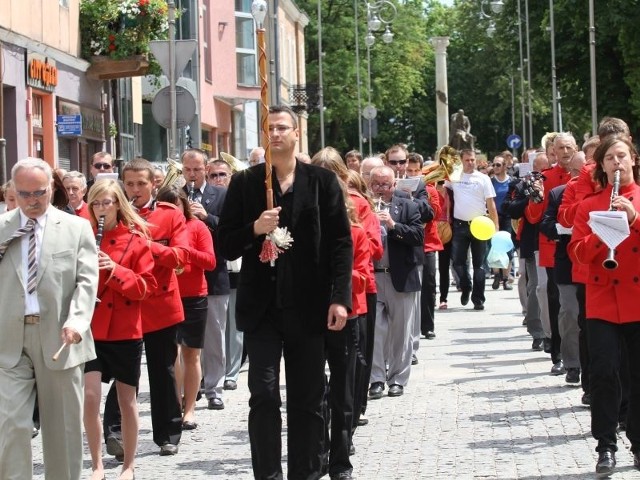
{"type": "Point", "coordinates": [379, 13]}
{"type": "Point", "coordinates": [358, 85]}
{"type": "Point", "coordinates": [259, 12]}
{"type": "Point", "coordinates": [592, 69]}
{"type": "Point", "coordinates": [554, 84]}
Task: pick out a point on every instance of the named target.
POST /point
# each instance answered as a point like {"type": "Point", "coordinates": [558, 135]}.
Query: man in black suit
{"type": "Point", "coordinates": [397, 282]}
{"type": "Point", "coordinates": [206, 204]}
{"type": "Point", "coordinates": [285, 309]}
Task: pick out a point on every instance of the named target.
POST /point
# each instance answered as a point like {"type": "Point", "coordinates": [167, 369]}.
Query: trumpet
{"type": "Point", "coordinates": [610, 263]}
{"type": "Point", "coordinates": [100, 231]}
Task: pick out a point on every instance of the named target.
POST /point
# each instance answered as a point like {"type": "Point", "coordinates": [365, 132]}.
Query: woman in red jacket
{"type": "Point", "coordinates": [611, 294]}
{"type": "Point", "coordinates": [126, 265]}
{"type": "Point", "coordinates": [193, 291]}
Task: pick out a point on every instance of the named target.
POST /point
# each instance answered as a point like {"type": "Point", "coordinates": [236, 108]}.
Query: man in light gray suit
{"type": "Point", "coordinates": [49, 273]}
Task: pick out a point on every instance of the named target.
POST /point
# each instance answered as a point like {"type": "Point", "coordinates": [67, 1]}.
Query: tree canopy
{"type": "Point", "coordinates": [481, 69]}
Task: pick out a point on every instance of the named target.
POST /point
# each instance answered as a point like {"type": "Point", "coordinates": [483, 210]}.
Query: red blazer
{"type": "Point", "coordinates": [170, 249]}
{"type": "Point", "coordinates": [432, 241]}
{"type": "Point", "coordinates": [611, 294]}
{"type": "Point", "coordinates": [360, 272]}
{"type": "Point", "coordinates": [192, 282]}
{"type": "Point", "coordinates": [554, 177]}
{"type": "Point", "coordinates": [371, 225]}
{"type": "Point", "coordinates": [581, 186]}
{"type": "Point", "coordinates": [117, 315]}
{"type": "Point", "coordinates": [83, 211]}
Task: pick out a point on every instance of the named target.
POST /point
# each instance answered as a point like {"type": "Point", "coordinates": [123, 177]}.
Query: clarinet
{"type": "Point", "coordinates": [610, 262]}
{"type": "Point", "coordinates": [100, 231]}
{"type": "Point", "coordinates": [192, 191]}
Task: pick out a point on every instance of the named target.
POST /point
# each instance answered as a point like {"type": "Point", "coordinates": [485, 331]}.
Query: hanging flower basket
{"type": "Point", "coordinates": [116, 34]}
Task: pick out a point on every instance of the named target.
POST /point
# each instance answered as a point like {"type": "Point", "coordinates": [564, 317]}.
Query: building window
{"type": "Point", "coordinates": [127, 139]}
{"type": "Point", "coordinates": [64, 3]}
{"type": "Point", "coordinates": [206, 39]}
{"type": "Point", "coordinates": [246, 60]}
{"type": "Point", "coordinates": [243, 6]}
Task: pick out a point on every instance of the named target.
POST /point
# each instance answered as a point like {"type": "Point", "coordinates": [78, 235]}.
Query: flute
{"type": "Point", "coordinates": [100, 231]}
{"type": "Point", "coordinates": [610, 263]}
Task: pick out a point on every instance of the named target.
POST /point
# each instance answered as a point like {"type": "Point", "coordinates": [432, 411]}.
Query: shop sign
{"type": "Point", "coordinates": [69, 125]}
{"type": "Point", "coordinates": [42, 72]}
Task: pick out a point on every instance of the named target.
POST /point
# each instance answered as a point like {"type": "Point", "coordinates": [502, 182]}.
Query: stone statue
{"type": "Point", "coordinates": [460, 137]}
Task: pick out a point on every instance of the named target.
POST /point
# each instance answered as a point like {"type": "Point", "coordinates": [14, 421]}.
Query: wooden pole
{"type": "Point", "coordinates": [264, 115]}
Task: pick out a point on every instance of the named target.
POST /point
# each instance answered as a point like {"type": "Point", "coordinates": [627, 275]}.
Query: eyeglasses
{"type": "Point", "coordinates": [398, 162]}
{"type": "Point", "coordinates": [381, 186]}
{"type": "Point", "coordinates": [280, 129]}
{"type": "Point", "coordinates": [497, 165]}
{"type": "Point", "coordinates": [104, 204]}
{"type": "Point", "coordinates": [102, 166]}
{"type": "Point", "coordinates": [218, 175]}
{"type": "Point", "coordinates": [36, 194]}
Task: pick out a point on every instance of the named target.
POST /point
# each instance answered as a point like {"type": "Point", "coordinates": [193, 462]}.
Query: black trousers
{"type": "Point", "coordinates": [363, 371]}
{"type": "Point", "coordinates": [166, 411]}
{"type": "Point", "coordinates": [444, 263]}
{"type": "Point", "coordinates": [304, 360]}
{"type": "Point", "coordinates": [553, 296]}
{"type": "Point", "coordinates": [428, 293]}
{"type": "Point", "coordinates": [341, 357]}
{"type": "Point", "coordinates": [582, 337]}
{"type": "Point", "coordinates": [606, 348]}
{"type": "Point", "coordinates": [462, 240]}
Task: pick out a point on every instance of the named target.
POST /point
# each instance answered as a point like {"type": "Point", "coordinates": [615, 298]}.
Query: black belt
{"type": "Point", "coordinates": [381, 270]}
{"type": "Point", "coordinates": [462, 222]}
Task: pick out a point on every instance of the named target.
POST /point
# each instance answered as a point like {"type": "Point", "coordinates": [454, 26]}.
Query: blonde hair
{"type": "Point", "coordinates": [126, 213]}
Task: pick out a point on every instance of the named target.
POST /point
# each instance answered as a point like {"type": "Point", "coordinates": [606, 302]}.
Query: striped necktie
{"type": "Point", "coordinates": [32, 261]}
{"type": "Point", "coordinates": [28, 228]}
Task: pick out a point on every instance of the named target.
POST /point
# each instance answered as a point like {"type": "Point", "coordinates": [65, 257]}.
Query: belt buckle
{"type": "Point", "coordinates": [32, 319]}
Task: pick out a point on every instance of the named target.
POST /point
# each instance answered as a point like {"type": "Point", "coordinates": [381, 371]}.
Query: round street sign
{"type": "Point", "coordinates": [185, 107]}
{"type": "Point", "coordinates": [514, 141]}
{"type": "Point", "coordinates": [369, 112]}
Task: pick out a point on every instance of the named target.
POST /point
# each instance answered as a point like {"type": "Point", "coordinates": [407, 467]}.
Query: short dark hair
{"type": "Point", "coordinates": [173, 194]}
{"type": "Point", "coordinates": [137, 165]}
{"type": "Point", "coordinates": [612, 126]}
{"type": "Point", "coordinates": [287, 110]}
{"type": "Point", "coordinates": [195, 152]}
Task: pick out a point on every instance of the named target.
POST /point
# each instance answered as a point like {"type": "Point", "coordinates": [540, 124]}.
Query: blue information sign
{"type": "Point", "coordinates": [69, 124]}
{"type": "Point", "coordinates": [514, 141]}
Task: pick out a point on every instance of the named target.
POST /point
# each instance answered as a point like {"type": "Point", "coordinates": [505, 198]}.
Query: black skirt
{"type": "Point", "coordinates": [119, 359]}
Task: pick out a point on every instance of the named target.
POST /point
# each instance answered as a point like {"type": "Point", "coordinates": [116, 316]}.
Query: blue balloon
{"type": "Point", "coordinates": [501, 242]}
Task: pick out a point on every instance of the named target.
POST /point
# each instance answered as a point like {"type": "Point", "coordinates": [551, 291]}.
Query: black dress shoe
{"type": "Point", "coordinates": [414, 359]}
{"type": "Point", "coordinates": [496, 282]}
{"type": "Point", "coordinates": [215, 404]}
{"type": "Point", "coordinates": [168, 449]}
{"type": "Point", "coordinates": [464, 298]}
{"type": "Point", "coordinates": [341, 476]}
{"type": "Point", "coordinates": [115, 447]}
{"type": "Point", "coordinates": [395, 390]}
{"type": "Point", "coordinates": [636, 460]}
{"type": "Point", "coordinates": [546, 343]}
{"type": "Point", "coordinates": [430, 335]}
{"type": "Point", "coordinates": [478, 306]}
{"type": "Point", "coordinates": [572, 376]}
{"type": "Point", "coordinates": [375, 391]}
{"type": "Point", "coordinates": [558, 368]}
{"type": "Point", "coordinates": [187, 425]}
{"type": "Point", "coordinates": [586, 399]}
{"type": "Point", "coordinates": [230, 385]}
{"type": "Point", "coordinates": [606, 463]}
{"type": "Point", "coordinates": [537, 344]}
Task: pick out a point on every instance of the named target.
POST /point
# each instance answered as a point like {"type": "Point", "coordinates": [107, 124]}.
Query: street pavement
{"type": "Point", "coordinates": [479, 405]}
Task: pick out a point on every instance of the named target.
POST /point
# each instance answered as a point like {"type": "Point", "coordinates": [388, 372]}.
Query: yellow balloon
{"type": "Point", "coordinates": [482, 228]}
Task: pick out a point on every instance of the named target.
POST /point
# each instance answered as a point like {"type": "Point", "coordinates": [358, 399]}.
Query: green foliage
{"type": "Point", "coordinates": [121, 28]}
{"type": "Point", "coordinates": [480, 69]}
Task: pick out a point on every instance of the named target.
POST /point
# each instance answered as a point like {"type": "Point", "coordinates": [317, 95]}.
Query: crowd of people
{"type": "Point", "coordinates": [191, 269]}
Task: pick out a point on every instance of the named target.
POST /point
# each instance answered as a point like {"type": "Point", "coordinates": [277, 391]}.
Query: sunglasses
{"type": "Point", "coordinates": [102, 166]}
{"type": "Point", "coordinates": [217, 175]}
{"type": "Point", "coordinates": [497, 165]}
{"type": "Point", "coordinates": [36, 194]}
{"type": "Point", "coordinates": [398, 162]}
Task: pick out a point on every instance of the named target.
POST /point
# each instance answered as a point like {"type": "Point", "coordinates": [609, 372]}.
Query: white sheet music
{"type": "Point", "coordinates": [611, 227]}
{"type": "Point", "coordinates": [562, 230]}
{"type": "Point", "coordinates": [408, 184]}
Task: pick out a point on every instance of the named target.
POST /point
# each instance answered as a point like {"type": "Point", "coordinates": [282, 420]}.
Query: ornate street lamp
{"type": "Point", "coordinates": [259, 13]}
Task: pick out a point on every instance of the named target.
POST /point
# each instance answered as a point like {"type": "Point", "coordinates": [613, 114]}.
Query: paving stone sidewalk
{"type": "Point", "coordinates": [479, 405]}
